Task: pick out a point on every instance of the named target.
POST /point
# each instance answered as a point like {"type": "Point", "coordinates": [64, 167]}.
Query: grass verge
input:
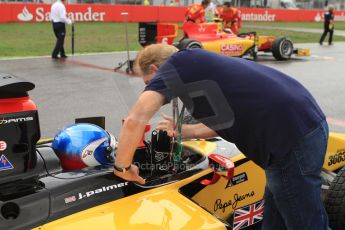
{"type": "Point", "coordinates": [37, 39]}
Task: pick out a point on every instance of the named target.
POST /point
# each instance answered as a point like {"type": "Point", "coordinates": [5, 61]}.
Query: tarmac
{"type": "Point", "coordinates": [86, 85]}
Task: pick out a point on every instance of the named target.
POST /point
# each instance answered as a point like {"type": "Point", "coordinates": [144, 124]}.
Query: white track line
{"type": "Point", "coordinates": [70, 55]}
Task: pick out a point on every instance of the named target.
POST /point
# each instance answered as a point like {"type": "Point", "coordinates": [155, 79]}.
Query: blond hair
{"type": "Point", "coordinates": [155, 54]}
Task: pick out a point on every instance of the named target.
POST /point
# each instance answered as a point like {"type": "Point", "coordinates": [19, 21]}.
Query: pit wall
{"type": "Point", "coordinates": [112, 13]}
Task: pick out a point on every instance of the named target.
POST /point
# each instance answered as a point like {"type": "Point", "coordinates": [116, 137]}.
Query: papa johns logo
{"type": "Point", "coordinates": [25, 15]}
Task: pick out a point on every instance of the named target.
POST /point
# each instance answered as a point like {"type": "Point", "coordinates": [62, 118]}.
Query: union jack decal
{"type": "Point", "coordinates": [248, 215]}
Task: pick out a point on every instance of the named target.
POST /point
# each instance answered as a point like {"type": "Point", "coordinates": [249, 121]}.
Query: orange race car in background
{"type": "Point", "coordinates": [211, 36]}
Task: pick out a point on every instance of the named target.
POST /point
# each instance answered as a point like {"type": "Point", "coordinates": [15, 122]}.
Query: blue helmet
{"type": "Point", "coordinates": [84, 145]}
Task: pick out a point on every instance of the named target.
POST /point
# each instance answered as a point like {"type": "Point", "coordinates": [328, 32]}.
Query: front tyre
{"type": "Point", "coordinates": [282, 48]}
{"type": "Point", "coordinates": [189, 44]}
{"type": "Point", "coordinates": [335, 201]}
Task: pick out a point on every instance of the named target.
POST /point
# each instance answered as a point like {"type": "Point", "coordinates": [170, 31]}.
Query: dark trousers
{"type": "Point", "coordinates": [325, 31]}
{"type": "Point", "coordinates": [293, 188]}
{"type": "Point", "coordinates": [60, 32]}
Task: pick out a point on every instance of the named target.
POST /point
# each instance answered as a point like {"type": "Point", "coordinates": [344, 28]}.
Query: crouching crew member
{"type": "Point", "coordinates": [231, 18]}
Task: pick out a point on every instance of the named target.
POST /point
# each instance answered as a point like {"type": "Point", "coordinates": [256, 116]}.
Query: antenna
{"type": "Point", "coordinates": [128, 61]}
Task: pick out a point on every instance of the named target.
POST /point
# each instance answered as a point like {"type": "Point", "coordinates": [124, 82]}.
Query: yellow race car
{"type": "Point", "coordinates": [211, 36]}
{"type": "Point", "coordinates": [211, 185]}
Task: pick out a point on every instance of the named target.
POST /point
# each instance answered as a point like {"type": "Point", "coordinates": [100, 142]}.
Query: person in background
{"type": "Point", "coordinates": [211, 12]}
{"type": "Point", "coordinates": [328, 25]}
{"type": "Point", "coordinates": [231, 18]}
{"type": "Point", "coordinates": [196, 12]}
{"type": "Point", "coordinates": [59, 19]}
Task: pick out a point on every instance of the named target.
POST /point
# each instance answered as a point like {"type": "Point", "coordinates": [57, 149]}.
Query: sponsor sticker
{"type": "Point", "coordinates": [338, 157]}
{"type": "Point", "coordinates": [231, 49]}
{"type": "Point", "coordinates": [221, 205]}
{"type": "Point", "coordinates": [248, 215]}
{"type": "Point", "coordinates": [15, 120]}
{"type": "Point", "coordinates": [95, 192]}
{"type": "Point", "coordinates": [201, 29]}
{"type": "Point", "coordinates": [5, 164]}
{"type": "Point", "coordinates": [3, 145]}
{"type": "Point", "coordinates": [237, 179]}
{"type": "Point", "coordinates": [70, 199]}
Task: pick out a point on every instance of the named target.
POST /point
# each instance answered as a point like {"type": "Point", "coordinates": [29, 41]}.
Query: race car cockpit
{"type": "Point", "coordinates": [35, 177]}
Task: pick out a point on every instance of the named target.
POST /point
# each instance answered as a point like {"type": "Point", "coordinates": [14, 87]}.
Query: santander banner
{"type": "Point", "coordinates": [112, 13]}
{"type": "Point", "coordinates": [94, 13]}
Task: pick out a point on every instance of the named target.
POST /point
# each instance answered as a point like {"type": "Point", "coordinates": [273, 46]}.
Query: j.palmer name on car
{"type": "Point", "coordinates": [94, 192]}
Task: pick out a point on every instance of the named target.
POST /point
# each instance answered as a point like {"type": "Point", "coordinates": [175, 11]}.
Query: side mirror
{"type": "Point", "coordinates": [219, 164]}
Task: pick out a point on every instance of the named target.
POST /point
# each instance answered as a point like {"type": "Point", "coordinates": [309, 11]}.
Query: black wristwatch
{"type": "Point", "coordinates": [122, 169]}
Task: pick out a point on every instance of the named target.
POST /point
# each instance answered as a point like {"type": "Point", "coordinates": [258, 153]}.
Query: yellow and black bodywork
{"type": "Point", "coordinates": [95, 198]}
{"type": "Point", "coordinates": [177, 201]}
{"type": "Point", "coordinates": [181, 201]}
{"type": "Point", "coordinates": [335, 156]}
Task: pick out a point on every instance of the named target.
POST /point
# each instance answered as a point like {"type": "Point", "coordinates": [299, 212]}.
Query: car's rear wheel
{"type": "Point", "coordinates": [335, 201]}
{"type": "Point", "coordinates": [282, 48]}
{"type": "Point", "coordinates": [189, 43]}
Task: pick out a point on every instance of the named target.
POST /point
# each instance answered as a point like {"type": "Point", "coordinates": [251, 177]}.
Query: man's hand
{"type": "Point", "coordinates": [167, 124]}
{"type": "Point", "coordinates": [131, 175]}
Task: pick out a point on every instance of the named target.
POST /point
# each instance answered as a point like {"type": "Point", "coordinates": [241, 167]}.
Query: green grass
{"type": "Point", "coordinates": [31, 39]}
{"type": "Point", "coordinates": [311, 25]}
{"type": "Point", "coordinates": [296, 37]}
{"type": "Point", "coordinates": [37, 39]}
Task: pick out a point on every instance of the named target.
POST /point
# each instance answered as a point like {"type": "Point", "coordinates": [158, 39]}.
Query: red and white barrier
{"type": "Point", "coordinates": [112, 13]}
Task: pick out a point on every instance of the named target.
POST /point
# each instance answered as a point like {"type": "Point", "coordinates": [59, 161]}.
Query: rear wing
{"type": "Point", "coordinates": [155, 33]}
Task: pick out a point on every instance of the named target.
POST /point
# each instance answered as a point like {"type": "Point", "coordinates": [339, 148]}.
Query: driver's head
{"type": "Point", "coordinates": [151, 58]}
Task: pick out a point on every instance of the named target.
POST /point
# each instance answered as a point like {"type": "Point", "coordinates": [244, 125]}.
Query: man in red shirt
{"type": "Point", "coordinates": [231, 18]}
{"type": "Point", "coordinates": [196, 12]}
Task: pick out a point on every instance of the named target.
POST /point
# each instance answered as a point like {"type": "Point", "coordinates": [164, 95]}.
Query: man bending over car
{"type": "Point", "coordinates": [270, 117]}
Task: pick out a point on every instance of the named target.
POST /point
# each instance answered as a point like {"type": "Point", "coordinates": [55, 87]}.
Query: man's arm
{"type": "Point", "coordinates": [188, 131]}
{"type": "Point", "coordinates": [197, 131]}
{"type": "Point", "coordinates": [133, 127]}
{"type": "Point", "coordinates": [63, 15]}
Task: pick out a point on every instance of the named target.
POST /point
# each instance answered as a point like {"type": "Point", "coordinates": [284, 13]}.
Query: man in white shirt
{"type": "Point", "coordinates": [59, 19]}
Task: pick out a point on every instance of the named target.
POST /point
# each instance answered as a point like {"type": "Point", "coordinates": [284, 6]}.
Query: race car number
{"type": "Point", "coordinates": [337, 158]}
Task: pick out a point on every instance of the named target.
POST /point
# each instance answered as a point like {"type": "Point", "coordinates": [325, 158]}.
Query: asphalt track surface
{"type": "Point", "coordinates": [86, 85]}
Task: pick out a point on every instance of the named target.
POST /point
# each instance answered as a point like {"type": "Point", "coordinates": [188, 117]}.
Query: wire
{"type": "Point", "coordinates": [178, 149]}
